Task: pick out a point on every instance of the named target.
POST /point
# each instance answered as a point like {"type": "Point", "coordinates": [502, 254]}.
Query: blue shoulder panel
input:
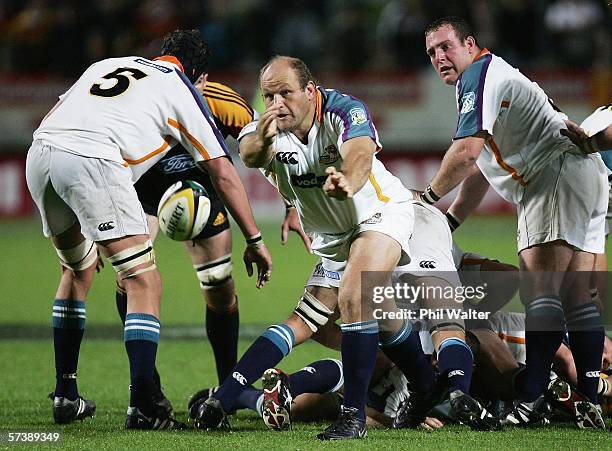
{"type": "Point", "coordinates": [471, 88]}
{"type": "Point", "coordinates": [353, 112]}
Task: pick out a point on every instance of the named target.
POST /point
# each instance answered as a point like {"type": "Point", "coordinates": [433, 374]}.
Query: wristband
{"type": "Point", "coordinates": [429, 196]}
{"type": "Point", "coordinates": [453, 222]}
{"type": "Point", "coordinates": [255, 240]}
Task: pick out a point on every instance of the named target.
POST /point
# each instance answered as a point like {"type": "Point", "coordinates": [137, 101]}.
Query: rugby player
{"type": "Point", "coordinates": [119, 118]}
{"type": "Point", "coordinates": [510, 133]}
{"type": "Point", "coordinates": [210, 251]}
{"type": "Point", "coordinates": [318, 146]}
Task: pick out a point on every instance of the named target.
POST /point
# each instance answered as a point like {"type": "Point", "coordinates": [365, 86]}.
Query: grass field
{"type": "Point", "coordinates": [28, 276]}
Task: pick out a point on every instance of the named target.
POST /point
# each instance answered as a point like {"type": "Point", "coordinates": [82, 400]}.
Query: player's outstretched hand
{"type": "Point", "coordinates": [431, 424]}
{"type": "Point", "coordinates": [292, 222]}
{"type": "Point", "coordinates": [266, 125]}
{"type": "Point", "coordinates": [337, 185]}
{"type": "Point", "coordinates": [577, 135]}
{"type": "Point", "coordinates": [259, 255]}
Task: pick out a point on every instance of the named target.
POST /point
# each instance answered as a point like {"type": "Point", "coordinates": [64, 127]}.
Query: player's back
{"type": "Point", "coordinates": [127, 110]}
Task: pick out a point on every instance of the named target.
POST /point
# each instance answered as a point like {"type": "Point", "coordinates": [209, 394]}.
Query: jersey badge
{"type": "Point", "coordinates": [358, 116]}
{"type": "Point", "coordinates": [468, 102]}
{"type": "Point", "coordinates": [330, 155]}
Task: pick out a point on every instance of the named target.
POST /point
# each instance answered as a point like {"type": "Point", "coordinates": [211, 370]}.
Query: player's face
{"type": "Point", "coordinates": [448, 54]}
{"type": "Point", "coordinates": [280, 87]}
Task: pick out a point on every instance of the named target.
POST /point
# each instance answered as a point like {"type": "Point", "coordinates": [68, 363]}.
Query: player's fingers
{"type": "Point", "coordinates": [330, 170]}
{"type": "Point", "coordinates": [306, 240]}
{"type": "Point", "coordinates": [284, 232]}
{"type": "Point", "coordinates": [249, 266]}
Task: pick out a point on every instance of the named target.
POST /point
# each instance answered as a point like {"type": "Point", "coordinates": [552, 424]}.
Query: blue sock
{"type": "Point", "coordinates": [586, 338]}
{"type": "Point", "coordinates": [545, 327]}
{"type": "Point", "coordinates": [222, 332]}
{"type": "Point", "coordinates": [455, 361]}
{"type": "Point", "coordinates": [405, 350]}
{"type": "Point", "coordinates": [359, 348]}
{"type": "Point", "coordinates": [265, 352]}
{"type": "Point", "coordinates": [141, 336]}
{"type": "Point", "coordinates": [248, 399]}
{"type": "Point", "coordinates": [322, 376]}
{"type": "Point", "coordinates": [68, 327]}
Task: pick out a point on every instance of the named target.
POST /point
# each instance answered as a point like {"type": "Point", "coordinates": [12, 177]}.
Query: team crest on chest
{"type": "Point", "coordinates": [330, 155]}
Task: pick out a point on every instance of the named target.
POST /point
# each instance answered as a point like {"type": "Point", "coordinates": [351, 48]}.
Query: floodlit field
{"type": "Point", "coordinates": [29, 273]}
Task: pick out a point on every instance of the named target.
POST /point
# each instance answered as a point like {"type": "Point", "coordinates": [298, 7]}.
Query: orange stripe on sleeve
{"type": "Point", "coordinates": [319, 106]}
{"type": "Point", "coordinates": [160, 149]}
{"type": "Point", "coordinates": [511, 339]}
{"type": "Point", "coordinates": [190, 137]}
{"type": "Point", "coordinates": [503, 164]}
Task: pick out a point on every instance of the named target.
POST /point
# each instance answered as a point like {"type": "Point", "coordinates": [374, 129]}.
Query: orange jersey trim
{"type": "Point", "coordinates": [171, 59]}
{"type": "Point", "coordinates": [319, 106]}
{"type": "Point", "coordinates": [160, 149]}
{"type": "Point", "coordinates": [190, 137]}
{"type": "Point", "coordinates": [511, 339]}
{"type": "Point", "coordinates": [506, 166]}
{"type": "Point", "coordinates": [376, 186]}
{"type": "Point", "coordinates": [484, 51]}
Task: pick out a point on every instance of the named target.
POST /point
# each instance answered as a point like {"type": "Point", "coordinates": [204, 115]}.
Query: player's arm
{"type": "Point", "coordinates": [357, 154]}
{"type": "Point", "coordinates": [471, 193]}
{"type": "Point", "coordinates": [257, 148]}
{"type": "Point", "coordinates": [457, 165]}
{"type": "Point", "coordinates": [228, 185]}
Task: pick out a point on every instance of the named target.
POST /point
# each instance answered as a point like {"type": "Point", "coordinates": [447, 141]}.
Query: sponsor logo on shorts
{"type": "Point", "coordinates": [239, 377]}
{"type": "Point", "coordinates": [358, 116]}
{"type": "Point", "coordinates": [287, 157]}
{"type": "Point", "coordinates": [330, 155]}
{"type": "Point", "coordinates": [318, 271]}
{"type": "Point", "coordinates": [175, 164]}
{"type": "Point", "coordinates": [220, 219]}
{"type": "Point", "coordinates": [308, 180]}
{"type": "Point", "coordinates": [104, 226]}
{"type": "Point", "coordinates": [592, 374]}
{"type": "Point", "coordinates": [331, 274]}
{"type": "Point", "coordinates": [375, 219]}
{"type": "Point", "coordinates": [309, 369]}
{"type": "Point", "coordinates": [468, 102]}
{"type": "Point", "coordinates": [427, 264]}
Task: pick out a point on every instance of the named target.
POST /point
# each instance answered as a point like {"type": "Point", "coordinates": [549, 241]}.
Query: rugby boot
{"type": "Point", "coordinates": [586, 414]}
{"type": "Point", "coordinates": [66, 411]}
{"type": "Point", "coordinates": [198, 398]}
{"type": "Point", "coordinates": [527, 413]}
{"type": "Point", "coordinates": [159, 420]}
{"type": "Point", "coordinates": [347, 426]}
{"type": "Point", "coordinates": [211, 416]}
{"type": "Point", "coordinates": [469, 411]}
{"type": "Point", "coordinates": [412, 411]}
{"type": "Point", "coordinates": [276, 412]}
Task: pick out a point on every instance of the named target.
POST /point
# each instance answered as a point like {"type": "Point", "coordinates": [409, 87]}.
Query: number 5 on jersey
{"type": "Point", "coordinates": [122, 76]}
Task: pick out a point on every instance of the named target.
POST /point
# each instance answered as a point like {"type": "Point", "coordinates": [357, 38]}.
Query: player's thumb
{"type": "Point", "coordinates": [284, 233]}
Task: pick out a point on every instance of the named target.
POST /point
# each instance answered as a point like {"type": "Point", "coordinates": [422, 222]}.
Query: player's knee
{"type": "Point", "coordinates": [313, 312]}
{"type": "Point", "coordinates": [134, 261]}
{"type": "Point", "coordinates": [80, 257]}
{"type": "Point", "coordinates": [215, 273]}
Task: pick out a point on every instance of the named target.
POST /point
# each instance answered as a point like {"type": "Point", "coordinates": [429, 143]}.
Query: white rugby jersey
{"type": "Point", "coordinates": [298, 170]}
{"type": "Point", "coordinates": [132, 110]}
{"type": "Point", "coordinates": [600, 119]}
{"type": "Point", "coordinates": [523, 124]}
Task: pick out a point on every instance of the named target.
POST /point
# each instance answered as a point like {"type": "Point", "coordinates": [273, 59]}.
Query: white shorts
{"type": "Point", "coordinates": [396, 220]}
{"type": "Point", "coordinates": [97, 193]}
{"type": "Point", "coordinates": [566, 201]}
{"type": "Point", "coordinates": [431, 246]}
{"type": "Point", "coordinates": [326, 278]}
{"type": "Point", "coordinates": [609, 213]}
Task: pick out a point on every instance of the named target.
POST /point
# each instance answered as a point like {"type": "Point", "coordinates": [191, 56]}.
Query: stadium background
{"type": "Point", "coordinates": [372, 49]}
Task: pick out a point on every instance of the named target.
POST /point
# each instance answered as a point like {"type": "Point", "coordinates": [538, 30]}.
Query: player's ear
{"type": "Point", "coordinates": [470, 43]}
{"type": "Point", "coordinates": [311, 89]}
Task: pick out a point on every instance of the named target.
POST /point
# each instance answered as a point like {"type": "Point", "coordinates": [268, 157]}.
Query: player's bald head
{"type": "Point", "coordinates": [296, 65]}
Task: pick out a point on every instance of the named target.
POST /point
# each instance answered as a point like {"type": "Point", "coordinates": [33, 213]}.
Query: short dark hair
{"type": "Point", "coordinates": [189, 48]}
{"type": "Point", "coordinates": [300, 68]}
{"type": "Point", "coordinates": [462, 29]}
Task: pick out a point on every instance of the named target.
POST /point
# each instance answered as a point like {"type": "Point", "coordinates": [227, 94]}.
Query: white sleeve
{"type": "Point", "coordinates": [247, 130]}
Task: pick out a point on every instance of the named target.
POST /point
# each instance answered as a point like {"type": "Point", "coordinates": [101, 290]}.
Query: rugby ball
{"type": "Point", "coordinates": [183, 210]}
